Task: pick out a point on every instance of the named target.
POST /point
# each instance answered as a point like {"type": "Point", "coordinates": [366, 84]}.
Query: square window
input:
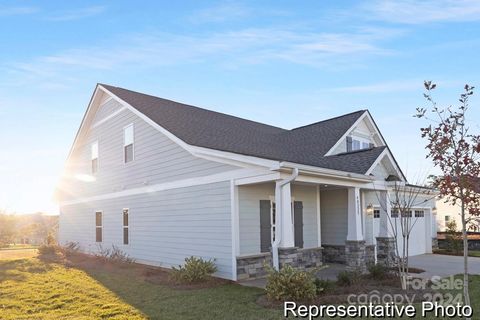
{"type": "Point", "coordinates": [376, 213]}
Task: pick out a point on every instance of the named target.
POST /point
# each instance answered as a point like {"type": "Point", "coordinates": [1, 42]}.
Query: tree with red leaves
{"type": "Point", "coordinates": [456, 152]}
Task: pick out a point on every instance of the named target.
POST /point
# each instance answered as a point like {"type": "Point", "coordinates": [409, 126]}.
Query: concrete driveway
{"type": "Point", "coordinates": [443, 265]}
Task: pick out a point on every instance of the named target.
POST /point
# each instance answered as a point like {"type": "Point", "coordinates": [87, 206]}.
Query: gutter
{"type": "Point", "coordinates": [279, 216]}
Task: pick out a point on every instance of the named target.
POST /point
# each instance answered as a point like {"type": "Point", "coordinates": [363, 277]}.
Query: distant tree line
{"type": "Point", "coordinates": [35, 229]}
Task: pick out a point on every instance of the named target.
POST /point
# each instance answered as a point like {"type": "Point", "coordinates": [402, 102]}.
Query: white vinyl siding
{"type": "Point", "coordinates": [157, 160]}
{"type": "Point", "coordinates": [94, 156]}
{"type": "Point", "coordinates": [165, 227]}
{"type": "Point", "coordinates": [334, 208]}
{"type": "Point", "coordinates": [249, 214]}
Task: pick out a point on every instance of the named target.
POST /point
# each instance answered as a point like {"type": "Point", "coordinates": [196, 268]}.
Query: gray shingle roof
{"type": "Point", "coordinates": [204, 128]}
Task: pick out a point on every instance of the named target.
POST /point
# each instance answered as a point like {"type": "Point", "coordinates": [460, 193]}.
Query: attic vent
{"type": "Point", "coordinates": [392, 178]}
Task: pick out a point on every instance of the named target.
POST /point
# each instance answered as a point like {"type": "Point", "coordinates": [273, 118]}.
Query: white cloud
{"type": "Point", "coordinates": [226, 11]}
{"type": "Point", "coordinates": [418, 12]}
{"type": "Point", "coordinates": [77, 14]}
{"type": "Point", "coordinates": [14, 11]}
{"type": "Point", "coordinates": [228, 49]}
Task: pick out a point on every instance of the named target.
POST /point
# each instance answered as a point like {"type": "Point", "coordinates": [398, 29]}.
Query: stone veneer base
{"type": "Point", "coordinates": [355, 254]}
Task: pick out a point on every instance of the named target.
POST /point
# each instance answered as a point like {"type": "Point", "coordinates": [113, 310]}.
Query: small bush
{"type": "Point", "coordinates": [290, 284]}
{"type": "Point", "coordinates": [453, 237]}
{"type": "Point", "coordinates": [348, 278]}
{"type": "Point", "coordinates": [51, 241]}
{"type": "Point", "coordinates": [378, 271]}
{"type": "Point", "coordinates": [115, 254]}
{"type": "Point", "coordinates": [70, 248]}
{"type": "Point", "coordinates": [194, 270]}
{"type": "Point", "coordinates": [47, 249]}
{"type": "Point", "coordinates": [323, 286]}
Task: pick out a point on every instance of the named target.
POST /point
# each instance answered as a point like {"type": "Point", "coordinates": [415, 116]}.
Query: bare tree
{"type": "Point", "coordinates": [401, 199]}
{"type": "Point", "coordinates": [455, 151]}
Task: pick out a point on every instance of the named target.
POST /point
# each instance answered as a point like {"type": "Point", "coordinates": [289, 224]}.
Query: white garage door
{"type": "Point", "coordinates": [420, 241]}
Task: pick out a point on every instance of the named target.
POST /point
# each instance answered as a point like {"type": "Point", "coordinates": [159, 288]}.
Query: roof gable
{"type": "Point", "coordinates": [199, 127]}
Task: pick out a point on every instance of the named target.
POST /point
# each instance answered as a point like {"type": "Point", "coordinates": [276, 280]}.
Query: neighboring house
{"type": "Point", "coordinates": [164, 180]}
{"type": "Point", "coordinates": [446, 212]}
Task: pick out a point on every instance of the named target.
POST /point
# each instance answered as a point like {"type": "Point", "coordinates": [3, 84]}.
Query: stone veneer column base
{"type": "Point", "coordinates": [355, 255]}
{"type": "Point", "coordinates": [253, 266]}
{"type": "Point", "coordinates": [386, 251]}
{"type": "Point", "coordinates": [301, 258]}
{"type": "Point", "coordinates": [434, 243]}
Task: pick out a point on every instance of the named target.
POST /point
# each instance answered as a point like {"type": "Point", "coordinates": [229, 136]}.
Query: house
{"type": "Point", "coordinates": [164, 180]}
{"type": "Point", "coordinates": [447, 212]}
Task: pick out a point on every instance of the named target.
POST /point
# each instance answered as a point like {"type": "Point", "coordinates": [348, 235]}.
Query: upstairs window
{"type": "Point", "coordinates": [125, 226]}
{"type": "Point", "coordinates": [355, 143]}
{"type": "Point", "coordinates": [128, 141]}
{"type": "Point", "coordinates": [98, 226]}
{"type": "Point", "coordinates": [94, 157]}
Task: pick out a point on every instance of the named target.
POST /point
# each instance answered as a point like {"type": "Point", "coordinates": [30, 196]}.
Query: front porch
{"type": "Point", "coordinates": [321, 223]}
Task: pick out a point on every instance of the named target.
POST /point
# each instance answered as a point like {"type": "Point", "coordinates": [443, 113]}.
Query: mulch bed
{"type": "Point", "coordinates": [162, 276]}
{"type": "Point", "coordinates": [154, 275]}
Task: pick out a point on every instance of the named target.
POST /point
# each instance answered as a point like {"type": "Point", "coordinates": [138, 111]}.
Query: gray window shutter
{"type": "Point", "coordinates": [265, 226]}
{"type": "Point", "coordinates": [349, 144]}
{"type": "Point", "coordinates": [298, 223]}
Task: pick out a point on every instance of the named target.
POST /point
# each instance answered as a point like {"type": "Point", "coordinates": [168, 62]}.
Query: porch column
{"type": "Point", "coordinates": [355, 253]}
{"type": "Point", "coordinates": [386, 242]}
{"type": "Point", "coordinates": [355, 229]}
{"type": "Point", "coordinates": [385, 227]}
{"type": "Point", "coordinates": [287, 237]}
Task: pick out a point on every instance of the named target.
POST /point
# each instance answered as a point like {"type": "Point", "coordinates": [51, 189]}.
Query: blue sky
{"type": "Point", "coordinates": [286, 63]}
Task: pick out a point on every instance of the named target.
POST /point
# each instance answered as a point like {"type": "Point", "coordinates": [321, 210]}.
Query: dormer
{"type": "Point", "coordinates": [362, 135]}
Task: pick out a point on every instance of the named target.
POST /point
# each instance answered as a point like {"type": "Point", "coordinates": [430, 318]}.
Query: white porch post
{"type": "Point", "coordinates": [385, 225]}
{"type": "Point", "coordinates": [355, 229]}
{"type": "Point", "coordinates": [287, 237]}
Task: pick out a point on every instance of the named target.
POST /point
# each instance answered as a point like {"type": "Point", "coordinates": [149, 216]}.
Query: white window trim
{"type": "Point", "coordinates": [98, 227]}
{"type": "Point", "coordinates": [272, 225]}
{"type": "Point", "coordinates": [92, 158]}
{"type": "Point", "coordinates": [361, 140]}
{"type": "Point", "coordinates": [126, 227]}
{"type": "Point", "coordinates": [133, 143]}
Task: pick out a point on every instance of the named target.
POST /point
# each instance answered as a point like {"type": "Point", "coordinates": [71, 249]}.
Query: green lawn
{"type": "Point", "coordinates": [33, 289]}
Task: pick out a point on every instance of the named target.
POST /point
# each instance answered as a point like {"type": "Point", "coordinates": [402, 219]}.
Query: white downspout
{"type": "Point", "coordinates": [279, 215]}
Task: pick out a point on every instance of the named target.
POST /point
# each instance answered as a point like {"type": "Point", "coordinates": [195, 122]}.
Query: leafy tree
{"type": "Point", "coordinates": [7, 229]}
{"type": "Point", "coordinates": [455, 151]}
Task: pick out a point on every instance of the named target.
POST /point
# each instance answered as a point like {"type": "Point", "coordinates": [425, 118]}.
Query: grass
{"type": "Point", "coordinates": [31, 288]}
{"type": "Point", "coordinates": [471, 253]}
{"type": "Point", "coordinates": [19, 247]}
{"type": "Point", "coordinates": [17, 253]}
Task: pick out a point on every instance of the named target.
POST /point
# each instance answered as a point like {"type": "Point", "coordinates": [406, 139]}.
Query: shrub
{"type": "Point", "coordinates": [453, 237]}
{"type": "Point", "coordinates": [348, 278]}
{"type": "Point", "coordinates": [323, 286]}
{"type": "Point", "coordinates": [47, 249]}
{"type": "Point", "coordinates": [51, 241]}
{"type": "Point", "coordinates": [378, 271]}
{"type": "Point", "coordinates": [115, 254]}
{"type": "Point", "coordinates": [194, 270]}
{"type": "Point", "coordinates": [290, 284]}
{"type": "Point", "coordinates": [71, 248]}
